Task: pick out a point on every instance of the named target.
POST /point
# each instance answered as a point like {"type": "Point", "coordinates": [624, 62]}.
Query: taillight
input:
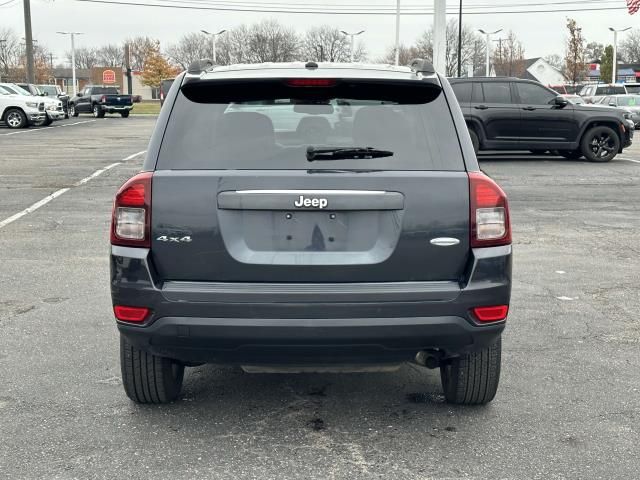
{"type": "Point", "coordinates": [490, 225]}
{"type": "Point", "coordinates": [494, 313]}
{"type": "Point", "coordinates": [131, 314]}
{"type": "Point", "coordinates": [131, 218]}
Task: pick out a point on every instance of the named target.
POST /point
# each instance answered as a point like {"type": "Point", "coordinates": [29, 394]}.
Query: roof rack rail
{"type": "Point", "coordinates": [199, 66]}
{"type": "Point", "coordinates": [420, 65]}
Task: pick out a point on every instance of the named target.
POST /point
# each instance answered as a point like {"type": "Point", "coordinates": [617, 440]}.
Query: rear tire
{"type": "Point", "coordinates": [474, 140]}
{"type": "Point", "coordinates": [124, 114]}
{"type": "Point", "coordinates": [472, 379]}
{"type": "Point", "coordinates": [600, 144]}
{"type": "Point", "coordinates": [72, 111]}
{"type": "Point", "coordinates": [148, 378]}
{"type": "Point", "coordinates": [15, 118]}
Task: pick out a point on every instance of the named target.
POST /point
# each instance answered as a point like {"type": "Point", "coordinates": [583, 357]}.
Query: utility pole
{"type": "Point", "coordinates": [127, 66]}
{"type": "Point", "coordinates": [28, 35]}
{"type": "Point", "coordinates": [213, 43]}
{"type": "Point", "coordinates": [352, 35]}
{"type": "Point", "coordinates": [460, 40]}
{"type": "Point", "coordinates": [614, 76]}
{"type": "Point", "coordinates": [488, 37]}
{"type": "Point", "coordinates": [73, 58]}
{"type": "Point", "coordinates": [397, 60]}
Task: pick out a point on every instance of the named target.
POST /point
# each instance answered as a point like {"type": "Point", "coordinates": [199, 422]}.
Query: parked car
{"type": "Point", "coordinates": [574, 99]}
{"type": "Point", "coordinates": [99, 101]}
{"type": "Point", "coordinates": [516, 114]}
{"type": "Point", "coordinates": [374, 245]}
{"type": "Point", "coordinates": [593, 93]}
{"type": "Point", "coordinates": [19, 111]}
{"type": "Point", "coordinates": [627, 103]}
{"type": "Point", "coordinates": [165, 85]}
{"type": "Point", "coordinates": [52, 106]}
{"type": "Point", "coordinates": [632, 88]}
{"type": "Point", "coordinates": [54, 91]}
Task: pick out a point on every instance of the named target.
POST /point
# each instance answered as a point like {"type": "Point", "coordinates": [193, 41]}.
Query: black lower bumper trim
{"type": "Point", "coordinates": [299, 341]}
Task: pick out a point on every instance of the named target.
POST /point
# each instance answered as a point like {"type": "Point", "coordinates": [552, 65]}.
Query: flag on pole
{"type": "Point", "coordinates": [633, 6]}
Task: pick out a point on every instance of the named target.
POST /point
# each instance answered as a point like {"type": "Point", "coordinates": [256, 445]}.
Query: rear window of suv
{"type": "Point", "coordinates": [259, 129]}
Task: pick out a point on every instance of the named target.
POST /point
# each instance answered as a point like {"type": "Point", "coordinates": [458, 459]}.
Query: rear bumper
{"type": "Point", "coordinates": [307, 341]}
{"type": "Point", "coordinates": [116, 109]}
{"type": "Point", "coordinates": [350, 323]}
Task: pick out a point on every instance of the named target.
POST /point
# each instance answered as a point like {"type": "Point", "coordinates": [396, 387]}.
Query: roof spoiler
{"type": "Point", "coordinates": [200, 66]}
{"type": "Point", "coordinates": [420, 65]}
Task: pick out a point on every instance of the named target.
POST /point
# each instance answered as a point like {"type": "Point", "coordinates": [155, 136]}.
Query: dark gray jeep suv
{"type": "Point", "coordinates": [311, 215]}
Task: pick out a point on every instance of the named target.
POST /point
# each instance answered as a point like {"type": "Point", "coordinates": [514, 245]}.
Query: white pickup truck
{"type": "Point", "coordinates": [20, 111]}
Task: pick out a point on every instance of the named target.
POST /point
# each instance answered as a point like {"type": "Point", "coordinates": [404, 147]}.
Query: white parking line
{"type": "Point", "coordinates": [56, 194]}
{"type": "Point", "coordinates": [46, 128]}
{"type": "Point", "coordinates": [627, 160]}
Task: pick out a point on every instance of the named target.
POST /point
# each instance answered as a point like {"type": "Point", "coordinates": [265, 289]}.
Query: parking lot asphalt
{"type": "Point", "coordinates": [569, 399]}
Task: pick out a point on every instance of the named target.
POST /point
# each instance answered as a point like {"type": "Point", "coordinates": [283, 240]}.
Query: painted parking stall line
{"type": "Point", "coordinates": [627, 160]}
{"type": "Point", "coordinates": [56, 194]}
{"type": "Point", "coordinates": [42, 129]}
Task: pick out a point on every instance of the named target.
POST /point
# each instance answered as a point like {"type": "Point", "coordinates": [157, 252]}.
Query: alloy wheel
{"type": "Point", "coordinates": [14, 120]}
{"type": "Point", "coordinates": [602, 145]}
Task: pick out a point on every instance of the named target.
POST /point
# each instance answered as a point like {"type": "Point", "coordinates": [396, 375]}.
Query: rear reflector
{"type": "Point", "coordinates": [491, 314]}
{"type": "Point", "coordinates": [131, 314]}
{"type": "Point", "coordinates": [311, 82]}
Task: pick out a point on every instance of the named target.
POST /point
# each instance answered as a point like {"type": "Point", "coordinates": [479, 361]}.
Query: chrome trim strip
{"type": "Point", "coordinates": [445, 241]}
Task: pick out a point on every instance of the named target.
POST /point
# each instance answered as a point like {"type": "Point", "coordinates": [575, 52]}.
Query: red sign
{"type": "Point", "coordinates": [108, 76]}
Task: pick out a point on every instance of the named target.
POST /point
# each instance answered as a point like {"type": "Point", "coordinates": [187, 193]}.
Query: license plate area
{"type": "Point", "coordinates": [285, 237]}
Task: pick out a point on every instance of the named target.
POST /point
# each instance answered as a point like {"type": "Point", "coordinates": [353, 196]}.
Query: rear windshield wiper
{"type": "Point", "coordinates": [339, 153]}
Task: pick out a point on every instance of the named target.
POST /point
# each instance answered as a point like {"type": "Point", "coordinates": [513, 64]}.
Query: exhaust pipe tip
{"type": "Point", "coordinates": [427, 359]}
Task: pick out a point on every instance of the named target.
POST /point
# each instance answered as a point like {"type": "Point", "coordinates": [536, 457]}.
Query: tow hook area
{"type": "Point", "coordinates": [429, 358]}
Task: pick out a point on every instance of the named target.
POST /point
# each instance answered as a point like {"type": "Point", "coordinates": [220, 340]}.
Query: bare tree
{"type": "Point", "coordinates": [575, 51]}
{"type": "Point", "coordinates": [269, 41]}
{"type": "Point", "coordinates": [325, 43]}
{"type": "Point", "coordinates": [473, 47]}
{"type": "Point", "coordinates": [110, 56]}
{"type": "Point", "coordinates": [406, 54]}
{"type": "Point", "coordinates": [140, 49]}
{"type": "Point", "coordinates": [593, 51]}
{"type": "Point", "coordinates": [190, 47]}
{"type": "Point", "coordinates": [86, 57]}
{"type": "Point", "coordinates": [9, 51]}
{"type": "Point", "coordinates": [630, 46]}
{"type": "Point", "coordinates": [508, 58]}
{"type": "Point", "coordinates": [233, 46]}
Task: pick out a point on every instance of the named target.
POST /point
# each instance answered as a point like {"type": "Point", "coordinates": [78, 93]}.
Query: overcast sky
{"type": "Point", "coordinates": [541, 33]}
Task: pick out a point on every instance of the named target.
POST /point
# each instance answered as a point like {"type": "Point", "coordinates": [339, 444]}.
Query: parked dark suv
{"type": "Point", "coordinates": [311, 215]}
{"type": "Point", "coordinates": [515, 114]}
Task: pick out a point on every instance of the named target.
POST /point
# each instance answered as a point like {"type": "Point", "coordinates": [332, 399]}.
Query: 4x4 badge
{"type": "Point", "coordinates": [165, 238]}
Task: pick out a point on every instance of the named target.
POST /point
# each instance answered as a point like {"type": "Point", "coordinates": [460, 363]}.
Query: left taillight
{"type": "Point", "coordinates": [131, 217]}
{"type": "Point", "coordinates": [489, 212]}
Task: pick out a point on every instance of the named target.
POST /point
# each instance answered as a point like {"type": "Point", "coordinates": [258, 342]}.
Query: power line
{"type": "Point", "coordinates": [301, 10]}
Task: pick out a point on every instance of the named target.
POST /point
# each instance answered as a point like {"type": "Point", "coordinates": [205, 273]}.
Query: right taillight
{"type": "Point", "coordinates": [490, 225]}
{"type": "Point", "coordinates": [131, 218]}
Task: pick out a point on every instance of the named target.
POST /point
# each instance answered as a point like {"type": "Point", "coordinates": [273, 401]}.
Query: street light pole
{"type": "Point", "coordinates": [488, 37]}
{"type": "Point", "coordinates": [73, 58]}
{"type": "Point", "coordinates": [352, 35]}
{"type": "Point", "coordinates": [614, 73]}
{"type": "Point", "coordinates": [213, 43]}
